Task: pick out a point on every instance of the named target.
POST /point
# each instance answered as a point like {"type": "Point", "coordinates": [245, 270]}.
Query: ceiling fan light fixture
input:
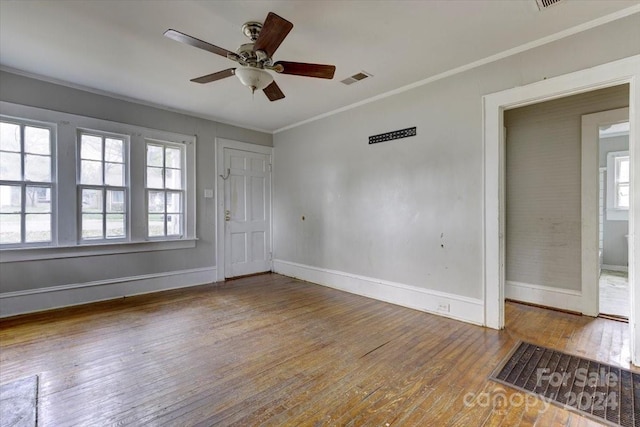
{"type": "Point", "coordinates": [254, 78]}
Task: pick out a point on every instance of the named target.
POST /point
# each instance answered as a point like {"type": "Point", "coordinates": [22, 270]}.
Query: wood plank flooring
{"type": "Point", "coordinates": [271, 350]}
{"type": "Point", "coordinates": [614, 293]}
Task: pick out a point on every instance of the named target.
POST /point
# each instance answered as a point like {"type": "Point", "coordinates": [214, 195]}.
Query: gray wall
{"type": "Point", "coordinates": [543, 204]}
{"type": "Point", "coordinates": [39, 274]}
{"type": "Point", "coordinates": [411, 210]}
{"type": "Point", "coordinates": [615, 249]}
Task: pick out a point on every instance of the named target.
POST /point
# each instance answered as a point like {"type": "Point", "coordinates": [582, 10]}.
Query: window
{"type": "Point", "coordinates": [621, 184]}
{"type": "Point", "coordinates": [68, 186]}
{"type": "Point", "coordinates": [165, 189]}
{"type": "Point", "coordinates": [618, 185]}
{"type": "Point", "coordinates": [26, 182]}
{"type": "Point", "coordinates": [103, 186]}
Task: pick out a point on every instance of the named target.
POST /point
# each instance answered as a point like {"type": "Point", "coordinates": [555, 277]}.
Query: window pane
{"type": "Point", "coordinates": [156, 201]}
{"type": "Point", "coordinates": [91, 147]}
{"type": "Point", "coordinates": [10, 199]}
{"type": "Point", "coordinates": [10, 228]}
{"type": "Point", "coordinates": [154, 178]}
{"type": "Point", "coordinates": [622, 169]}
{"type": "Point", "coordinates": [174, 178]}
{"type": "Point", "coordinates": [36, 140]}
{"type": "Point", "coordinates": [91, 200]}
{"type": "Point", "coordinates": [173, 158]}
{"type": "Point", "coordinates": [174, 225]}
{"type": "Point", "coordinates": [174, 204]}
{"type": "Point", "coordinates": [154, 155]}
{"type": "Point", "coordinates": [92, 226]}
{"type": "Point", "coordinates": [91, 172]}
{"type": "Point", "coordinates": [38, 199]}
{"type": "Point", "coordinates": [10, 166]}
{"type": "Point", "coordinates": [38, 228]}
{"type": "Point", "coordinates": [115, 201]}
{"type": "Point", "coordinates": [115, 226]}
{"type": "Point", "coordinates": [114, 174]}
{"type": "Point", "coordinates": [623, 196]}
{"type": "Point", "coordinates": [114, 150]}
{"type": "Point", "coordinates": [156, 225]}
{"type": "Point", "coordinates": [9, 137]}
{"type": "Point", "coordinates": [37, 168]}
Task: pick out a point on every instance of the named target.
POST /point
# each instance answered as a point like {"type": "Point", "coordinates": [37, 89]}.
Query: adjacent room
{"type": "Point", "coordinates": [416, 213]}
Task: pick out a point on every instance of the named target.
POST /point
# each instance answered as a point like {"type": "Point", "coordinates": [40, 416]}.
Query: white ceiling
{"type": "Point", "coordinates": [117, 46]}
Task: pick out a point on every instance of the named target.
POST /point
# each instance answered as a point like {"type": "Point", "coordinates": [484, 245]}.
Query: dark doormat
{"type": "Point", "coordinates": [597, 390]}
{"type": "Point", "coordinates": [18, 403]}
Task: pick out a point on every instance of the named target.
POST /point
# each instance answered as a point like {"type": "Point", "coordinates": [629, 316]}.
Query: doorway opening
{"type": "Point", "coordinates": [243, 175]}
{"type": "Point", "coordinates": [614, 189]}
{"type": "Point", "coordinates": [625, 71]}
{"type": "Point", "coordinates": [543, 203]}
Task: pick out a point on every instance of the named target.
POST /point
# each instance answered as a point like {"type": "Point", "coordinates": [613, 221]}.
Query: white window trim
{"type": "Point", "coordinates": [104, 187]}
{"type": "Point", "coordinates": [614, 213]}
{"type": "Point", "coordinates": [52, 184]}
{"type": "Point", "coordinates": [75, 251]}
{"type": "Point", "coordinates": [66, 222]}
{"type": "Point", "coordinates": [183, 190]}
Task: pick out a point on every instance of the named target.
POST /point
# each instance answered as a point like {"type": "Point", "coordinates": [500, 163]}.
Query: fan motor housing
{"type": "Point", "coordinates": [247, 54]}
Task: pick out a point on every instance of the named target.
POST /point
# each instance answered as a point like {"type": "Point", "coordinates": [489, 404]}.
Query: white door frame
{"type": "Point", "coordinates": [221, 144]}
{"type": "Point", "coordinates": [590, 187]}
{"type": "Point", "coordinates": [613, 73]}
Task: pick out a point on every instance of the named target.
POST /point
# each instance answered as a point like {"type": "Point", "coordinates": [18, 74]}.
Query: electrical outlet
{"type": "Point", "coordinates": [444, 307]}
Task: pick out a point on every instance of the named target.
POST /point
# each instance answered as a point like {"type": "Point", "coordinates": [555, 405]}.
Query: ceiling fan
{"type": "Point", "coordinates": [255, 57]}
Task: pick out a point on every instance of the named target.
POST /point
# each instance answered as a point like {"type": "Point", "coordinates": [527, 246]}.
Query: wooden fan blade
{"type": "Point", "coordinates": [215, 76]}
{"type": "Point", "coordinates": [273, 32]}
{"type": "Point", "coordinates": [308, 70]}
{"type": "Point", "coordinates": [187, 39]}
{"type": "Point", "coordinates": [273, 92]}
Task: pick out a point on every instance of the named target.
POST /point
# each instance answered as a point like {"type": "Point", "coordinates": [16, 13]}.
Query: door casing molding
{"type": "Point", "coordinates": [624, 71]}
{"type": "Point", "coordinates": [589, 201]}
{"type": "Point", "coordinates": [221, 144]}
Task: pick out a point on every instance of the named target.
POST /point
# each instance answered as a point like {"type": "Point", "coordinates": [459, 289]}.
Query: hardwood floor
{"type": "Point", "coordinates": [614, 292]}
{"type": "Point", "coordinates": [271, 350]}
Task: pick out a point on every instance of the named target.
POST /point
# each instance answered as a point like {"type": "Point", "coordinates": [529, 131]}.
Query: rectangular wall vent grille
{"type": "Point", "coordinates": [390, 136]}
{"type": "Point", "coordinates": [356, 78]}
{"type": "Point", "coordinates": [543, 4]}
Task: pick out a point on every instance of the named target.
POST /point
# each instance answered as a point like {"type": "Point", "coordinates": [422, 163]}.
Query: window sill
{"type": "Point", "coordinates": [75, 251]}
{"type": "Point", "coordinates": [617, 214]}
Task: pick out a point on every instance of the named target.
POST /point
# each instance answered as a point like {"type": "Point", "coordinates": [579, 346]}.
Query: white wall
{"type": "Point", "coordinates": [410, 211]}
{"type": "Point", "coordinates": [48, 283]}
{"type": "Point", "coordinates": [543, 181]}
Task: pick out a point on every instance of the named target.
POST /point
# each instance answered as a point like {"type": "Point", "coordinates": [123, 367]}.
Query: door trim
{"type": "Point", "coordinates": [590, 187]}
{"type": "Point", "coordinates": [610, 74]}
{"type": "Point", "coordinates": [221, 144]}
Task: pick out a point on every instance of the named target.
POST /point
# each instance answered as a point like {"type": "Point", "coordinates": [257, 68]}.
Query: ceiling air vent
{"type": "Point", "coordinates": [543, 4]}
{"type": "Point", "coordinates": [356, 78]}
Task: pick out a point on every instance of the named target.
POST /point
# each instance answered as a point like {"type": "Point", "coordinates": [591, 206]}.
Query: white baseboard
{"type": "Point", "coordinates": [564, 299]}
{"type": "Point", "coordinates": [32, 300]}
{"type": "Point", "coordinates": [462, 308]}
{"type": "Point", "coordinates": [621, 268]}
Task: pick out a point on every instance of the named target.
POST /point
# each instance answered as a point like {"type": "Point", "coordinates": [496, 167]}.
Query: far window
{"type": "Point", "coordinates": [621, 189]}
{"type": "Point", "coordinates": [618, 185]}
{"type": "Point", "coordinates": [26, 184]}
{"type": "Point", "coordinates": [102, 186]}
{"type": "Point", "coordinates": [165, 189]}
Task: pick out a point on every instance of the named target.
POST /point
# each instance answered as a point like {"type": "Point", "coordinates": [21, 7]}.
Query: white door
{"type": "Point", "coordinates": [247, 209]}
